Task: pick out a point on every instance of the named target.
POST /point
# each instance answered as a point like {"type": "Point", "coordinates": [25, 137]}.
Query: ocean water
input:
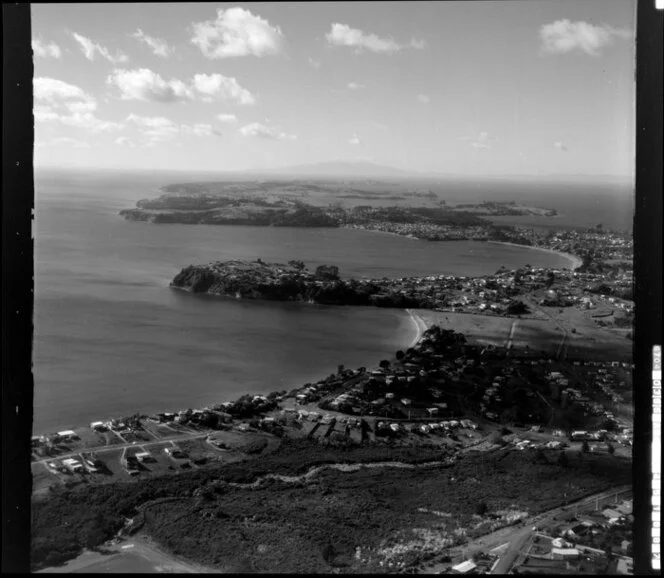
{"type": "Point", "coordinates": [111, 338]}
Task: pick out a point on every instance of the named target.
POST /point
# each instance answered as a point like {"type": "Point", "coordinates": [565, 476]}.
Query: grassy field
{"type": "Point", "coordinates": [584, 338]}
{"type": "Point", "coordinates": [482, 329]}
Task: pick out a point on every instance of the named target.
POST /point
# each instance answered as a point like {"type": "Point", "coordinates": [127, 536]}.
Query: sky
{"type": "Point", "coordinates": [530, 87]}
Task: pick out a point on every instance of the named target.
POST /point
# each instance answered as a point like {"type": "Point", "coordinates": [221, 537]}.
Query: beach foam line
{"type": "Point", "coordinates": [420, 326]}
{"type": "Point", "coordinates": [575, 261]}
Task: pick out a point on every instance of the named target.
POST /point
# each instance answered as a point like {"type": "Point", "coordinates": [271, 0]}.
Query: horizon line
{"type": "Point", "coordinates": [406, 174]}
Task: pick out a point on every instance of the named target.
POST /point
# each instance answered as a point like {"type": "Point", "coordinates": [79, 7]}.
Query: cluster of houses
{"type": "Point", "coordinates": [601, 379]}
{"type": "Point", "coordinates": [597, 523]}
{"type": "Point", "coordinates": [607, 383]}
{"type": "Point", "coordinates": [604, 244]}
{"type": "Point", "coordinates": [312, 392]}
{"type": "Point", "coordinates": [426, 231]}
{"type": "Point", "coordinates": [59, 437]}
{"type": "Point", "coordinates": [446, 427]}
{"type": "Point", "coordinates": [76, 466]}
{"type": "Point", "coordinates": [46, 445]}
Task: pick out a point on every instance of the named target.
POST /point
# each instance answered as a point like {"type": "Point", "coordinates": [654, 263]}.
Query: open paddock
{"type": "Point", "coordinates": [43, 478]}
{"type": "Point", "coordinates": [478, 328]}
{"type": "Point", "coordinates": [159, 463]}
{"type": "Point", "coordinates": [160, 431]}
{"type": "Point", "coordinates": [137, 436]}
{"type": "Point", "coordinates": [180, 429]}
{"type": "Point", "coordinates": [111, 460]}
{"type": "Point", "coordinates": [537, 335]}
{"type": "Point", "coordinates": [198, 449]}
{"type": "Point", "coordinates": [544, 566]}
{"type": "Point", "coordinates": [111, 439]}
{"type": "Point", "coordinates": [583, 338]}
{"type": "Point", "coordinates": [90, 438]}
{"type": "Point", "coordinates": [586, 340]}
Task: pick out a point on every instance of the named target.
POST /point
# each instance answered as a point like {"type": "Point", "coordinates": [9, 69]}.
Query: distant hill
{"type": "Point", "coordinates": [340, 169]}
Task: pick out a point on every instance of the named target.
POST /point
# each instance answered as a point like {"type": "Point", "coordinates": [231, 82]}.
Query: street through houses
{"type": "Point", "coordinates": [517, 536]}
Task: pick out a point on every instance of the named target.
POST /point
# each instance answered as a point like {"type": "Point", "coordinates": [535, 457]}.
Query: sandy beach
{"type": "Point", "coordinates": [576, 261]}
{"type": "Point", "coordinates": [420, 326]}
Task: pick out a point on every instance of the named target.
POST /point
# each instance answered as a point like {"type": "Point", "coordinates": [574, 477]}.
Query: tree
{"type": "Point", "coordinates": [299, 265]}
{"type": "Point", "coordinates": [540, 457]}
{"type": "Point", "coordinates": [327, 272]}
{"type": "Point", "coordinates": [585, 447]}
{"type": "Point", "coordinates": [563, 460]}
{"type": "Point", "coordinates": [481, 509]}
{"type": "Point", "coordinates": [508, 416]}
{"type": "Point", "coordinates": [384, 364]}
{"type": "Point", "coordinates": [610, 449]}
{"type": "Point", "coordinates": [517, 307]}
{"type": "Point", "coordinates": [400, 355]}
{"type": "Point", "coordinates": [550, 278]}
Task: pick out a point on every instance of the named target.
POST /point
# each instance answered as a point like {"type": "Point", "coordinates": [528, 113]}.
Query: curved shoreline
{"type": "Point", "coordinates": [420, 326]}
{"type": "Point", "coordinates": [576, 261]}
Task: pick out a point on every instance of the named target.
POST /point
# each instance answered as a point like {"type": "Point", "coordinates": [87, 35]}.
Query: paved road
{"type": "Point", "coordinates": [508, 343]}
{"type": "Point", "coordinates": [516, 536]}
{"type": "Point", "coordinates": [105, 449]}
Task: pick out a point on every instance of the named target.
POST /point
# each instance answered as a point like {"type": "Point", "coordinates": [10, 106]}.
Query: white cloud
{"type": "Point", "coordinates": [44, 113]}
{"type": "Point", "coordinates": [227, 118]}
{"type": "Point", "coordinates": [355, 86]}
{"type": "Point", "coordinates": [89, 121]}
{"type": "Point", "coordinates": [82, 106]}
{"type": "Point", "coordinates": [159, 129]}
{"type": "Point", "coordinates": [58, 101]}
{"type": "Point", "coordinates": [418, 44]}
{"type": "Point", "coordinates": [355, 140]}
{"type": "Point", "coordinates": [143, 84]}
{"type": "Point", "coordinates": [236, 32]}
{"type": "Point", "coordinates": [51, 50]}
{"type": "Point", "coordinates": [344, 35]}
{"type": "Point", "coordinates": [159, 47]}
{"type": "Point", "coordinates": [199, 129]}
{"type": "Point", "coordinates": [53, 91]}
{"type": "Point", "coordinates": [256, 129]}
{"type": "Point", "coordinates": [380, 126]}
{"type": "Point", "coordinates": [423, 98]}
{"type": "Point", "coordinates": [564, 36]}
{"type": "Point", "coordinates": [155, 127]}
{"type": "Point", "coordinates": [560, 146]}
{"type": "Point", "coordinates": [125, 141]}
{"type": "Point", "coordinates": [222, 87]}
{"type": "Point", "coordinates": [91, 48]}
{"type": "Point", "coordinates": [65, 140]}
{"type": "Point", "coordinates": [315, 63]}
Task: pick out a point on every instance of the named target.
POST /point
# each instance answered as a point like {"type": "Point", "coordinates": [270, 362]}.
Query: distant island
{"type": "Point", "coordinates": [320, 203]}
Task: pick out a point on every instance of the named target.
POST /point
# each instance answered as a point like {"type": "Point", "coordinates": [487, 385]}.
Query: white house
{"type": "Point", "coordinates": [564, 553]}
{"type": "Point", "coordinates": [465, 567]}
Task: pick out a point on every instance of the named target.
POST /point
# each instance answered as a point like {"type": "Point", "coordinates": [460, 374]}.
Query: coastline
{"type": "Point", "coordinates": [379, 231]}
{"type": "Point", "coordinates": [575, 261]}
{"type": "Point", "coordinates": [420, 326]}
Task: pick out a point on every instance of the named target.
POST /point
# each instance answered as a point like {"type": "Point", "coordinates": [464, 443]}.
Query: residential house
{"type": "Point", "coordinates": [465, 567]}
{"type": "Point", "coordinates": [564, 554]}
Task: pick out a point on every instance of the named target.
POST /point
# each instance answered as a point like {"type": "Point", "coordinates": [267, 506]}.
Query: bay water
{"type": "Point", "coordinates": [111, 338]}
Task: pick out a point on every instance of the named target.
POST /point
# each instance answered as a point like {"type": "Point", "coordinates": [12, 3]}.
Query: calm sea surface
{"type": "Point", "coordinates": [111, 338]}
